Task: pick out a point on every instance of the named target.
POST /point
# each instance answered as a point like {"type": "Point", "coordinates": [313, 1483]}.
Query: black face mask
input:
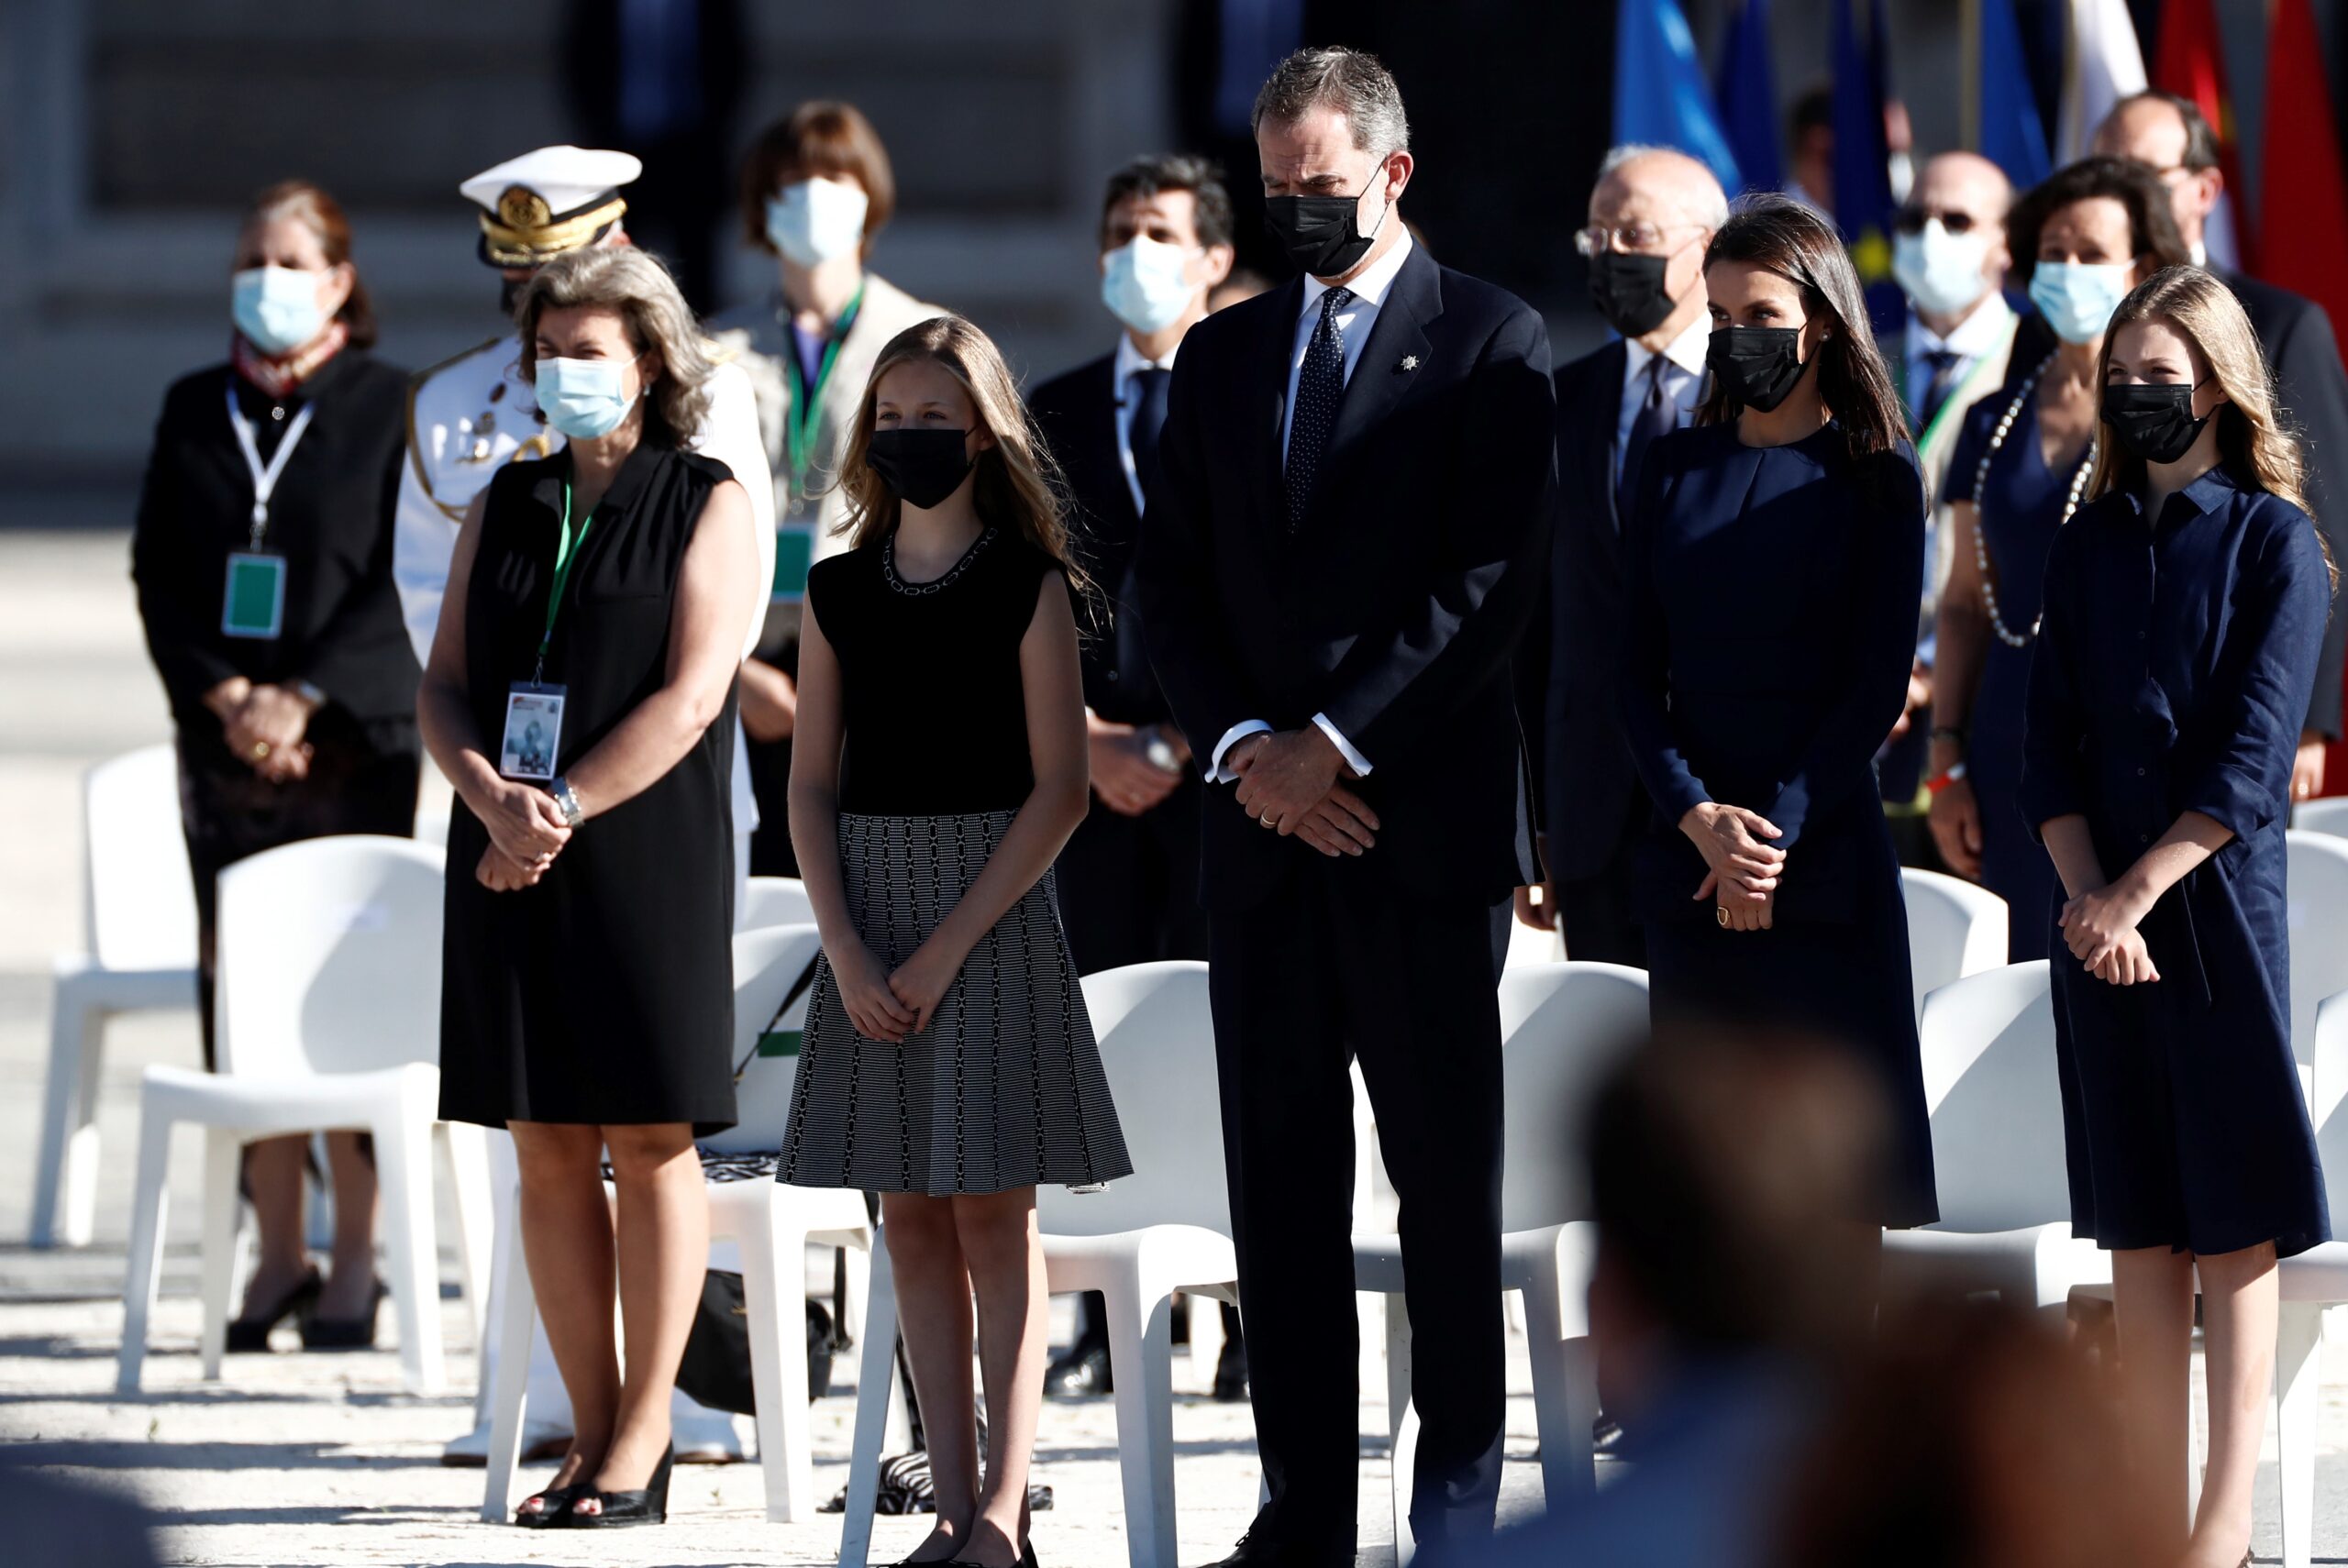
{"type": "Point", "coordinates": [924, 467]}
{"type": "Point", "coordinates": [1758, 366]}
{"type": "Point", "coordinates": [2154, 422]}
{"type": "Point", "coordinates": [1628, 290]}
{"type": "Point", "coordinates": [1320, 233]}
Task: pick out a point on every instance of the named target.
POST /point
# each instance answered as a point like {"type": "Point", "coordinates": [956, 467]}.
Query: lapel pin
{"type": "Point", "coordinates": [1410, 362]}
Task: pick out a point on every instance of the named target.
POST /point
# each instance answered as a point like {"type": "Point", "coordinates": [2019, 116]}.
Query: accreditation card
{"type": "Point", "coordinates": [533, 731]}
{"type": "Point", "coordinates": [252, 605]}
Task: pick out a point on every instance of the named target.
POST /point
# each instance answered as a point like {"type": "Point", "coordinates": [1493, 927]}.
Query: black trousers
{"type": "Point", "coordinates": [1129, 886]}
{"type": "Point", "coordinates": [1335, 966]}
{"type": "Point", "coordinates": [1596, 912]}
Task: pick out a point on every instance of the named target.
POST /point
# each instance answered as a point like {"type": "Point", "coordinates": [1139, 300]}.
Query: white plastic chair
{"type": "Point", "coordinates": [1526, 945]}
{"type": "Point", "coordinates": [772, 1225]}
{"type": "Point", "coordinates": [1997, 1151]}
{"type": "Point", "coordinates": [2325, 816]}
{"type": "Point", "coordinates": [2310, 1282]}
{"type": "Point", "coordinates": [328, 1012]}
{"type": "Point", "coordinates": [1564, 1027]}
{"type": "Point", "coordinates": [775, 900]}
{"type": "Point", "coordinates": [2317, 913]}
{"type": "Point", "coordinates": [139, 910]}
{"type": "Point", "coordinates": [1956, 928]}
{"type": "Point", "coordinates": [1163, 1228]}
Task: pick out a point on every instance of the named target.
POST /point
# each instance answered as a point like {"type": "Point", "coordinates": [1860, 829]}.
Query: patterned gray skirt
{"type": "Point", "coordinates": [1002, 1089]}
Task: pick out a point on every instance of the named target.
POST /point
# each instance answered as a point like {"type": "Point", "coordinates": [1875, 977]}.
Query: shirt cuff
{"type": "Point", "coordinates": [1216, 772]}
{"type": "Point", "coordinates": [1354, 759]}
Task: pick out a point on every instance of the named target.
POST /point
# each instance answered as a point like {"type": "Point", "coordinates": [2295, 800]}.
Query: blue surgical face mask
{"type": "Point", "coordinates": [1142, 286]}
{"type": "Point", "coordinates": [2078, 297]}
{"type": "Point", "coordinates": [582, 398]}
{"type": "Point", "coordinates": [1939, 270]}
{"type": "Point", "coordinates": [276, 307]}
{"type": "Point", "coordinates": [811, 221]}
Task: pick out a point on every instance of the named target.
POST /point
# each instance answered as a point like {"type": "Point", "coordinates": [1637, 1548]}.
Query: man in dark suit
{"type": "Point", "coordinates": [1129, 878]}
{"type": "Point", "coordinates": [2168, 134]}
{"type": "Point", "coordinates": [1651, 215]}
{"type": "Point", "coordinates": [1343, 545]}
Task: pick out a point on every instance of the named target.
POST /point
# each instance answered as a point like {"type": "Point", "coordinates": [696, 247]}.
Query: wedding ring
{"type": "Point", "coordinates": [1719, 912]}
{"type": "Point", "coordinates": [260, 750]}
{"type": "Point", "coordinates": [1267, 822]}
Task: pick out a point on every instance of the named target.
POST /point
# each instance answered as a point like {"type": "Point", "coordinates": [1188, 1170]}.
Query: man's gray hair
{"type": "Point", "coordinates": [1345, 80]}
{"type": "Point", "coordinates": [1711, 210]}
{"type": "Point", "coordinates": [638, 285]}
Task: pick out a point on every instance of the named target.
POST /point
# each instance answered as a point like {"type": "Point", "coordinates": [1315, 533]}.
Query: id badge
{"type": "Point", "coordinates": [252, 603]}
{"type": "Point", "coordinates": [795, 552]}
{"type": "Point", "coordinates": [533, 731]}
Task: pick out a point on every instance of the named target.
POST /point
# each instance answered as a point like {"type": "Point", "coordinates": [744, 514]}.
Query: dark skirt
{"type": "Point", "coordinates": [1004, 1089]}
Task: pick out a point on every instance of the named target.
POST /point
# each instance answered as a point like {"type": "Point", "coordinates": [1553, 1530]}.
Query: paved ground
{"type": "Point", "coordinates": [306, 1459]}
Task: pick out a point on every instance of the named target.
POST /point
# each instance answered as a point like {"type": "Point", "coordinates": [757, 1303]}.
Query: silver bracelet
{"type": "Point", "coordinates": [573, 813]}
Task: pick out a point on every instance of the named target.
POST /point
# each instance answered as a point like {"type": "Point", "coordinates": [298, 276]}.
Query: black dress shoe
{"type": "Point", "coordinates": [345, 1333]}
{"type": "Point", "coordinates": [247, 1335]}
{"type": "Point", "coordinates": [1230, 1374]}
{"type": "Point", "coordinates": [1253, 1550]}
{"type": "Point", "coordinates": [647, 1504]}
{"type": "Point", "coordinates": [1083, 1372]}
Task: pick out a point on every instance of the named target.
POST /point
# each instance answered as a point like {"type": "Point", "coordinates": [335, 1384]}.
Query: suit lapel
{"type": "Point", "coordinates": [1267, 408]}
{"type": "Point", "coordinates": [1386, 371]}
{"type": "Point", "coordinates": [1101, 437]}
{"type": "Point", "coordinates": [1601, 405]}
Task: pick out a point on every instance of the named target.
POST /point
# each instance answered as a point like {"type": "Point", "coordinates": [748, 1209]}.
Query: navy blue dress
{"type": "Point", "coordinates": [1769, 624]}
{"type": "Point", "coordinates": [2172, 675]}
{"type": "Point", "coordinates": [2020, 513]}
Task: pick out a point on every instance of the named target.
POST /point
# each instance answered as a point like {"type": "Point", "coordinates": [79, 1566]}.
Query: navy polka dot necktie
{"type": "Point", "coordinates": [1319, 385]}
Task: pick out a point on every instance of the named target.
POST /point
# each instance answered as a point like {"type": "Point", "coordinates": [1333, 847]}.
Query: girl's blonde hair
{"type": "Point", "coordinates": [1019, 484]}
{"type": "Point", "coordinates": [2253, 440]}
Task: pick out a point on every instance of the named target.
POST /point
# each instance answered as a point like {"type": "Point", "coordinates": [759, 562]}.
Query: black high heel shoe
{"type": "Point", "coordinates": [345, 1333]}
{"type": "Point", "coordinates": [1026, 1558]}
{"type": "Point", "coordinates": [247, 1335]}
{"type": "Point", "coordinates": [554, 1508]}
{"type": "Point", "coordinates": [648, 1505]}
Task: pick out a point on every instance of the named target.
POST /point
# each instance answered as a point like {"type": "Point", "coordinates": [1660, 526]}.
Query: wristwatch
{"type": "Point", "coordinates": [307, 693]}
{"type": "Point", "coordinates": [1160, 751]}
{"type": "Point", "coordinates": [573, 813]}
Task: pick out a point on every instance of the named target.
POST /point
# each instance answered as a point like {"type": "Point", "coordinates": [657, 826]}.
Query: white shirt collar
{"type": "Point", "coordinates": [1977, 334]}
{"type": "Point", "coordinates": [2201, 254]}
{"type": "Point", "coordinates": [1130, 359]}
{"type": "Point", "coordinates": [1687, 351]}
{"type": "Point", "coordinates": [1371, 287]}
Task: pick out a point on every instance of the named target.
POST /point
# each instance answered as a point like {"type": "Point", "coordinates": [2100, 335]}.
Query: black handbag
{"type": "Point", "coordinates": [716, 1369]}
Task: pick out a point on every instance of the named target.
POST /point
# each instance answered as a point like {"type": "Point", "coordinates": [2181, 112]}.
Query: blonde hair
{"type": "Point", "coordinates": [635, 284]}
{"type": "Point", "coordinates": [2253, 440]}
{"type": "Point", "coordinates": [1019, 484]}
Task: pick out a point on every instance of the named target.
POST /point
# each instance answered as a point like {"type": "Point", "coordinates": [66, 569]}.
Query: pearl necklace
{"type": "Point", "coordinates": [2006, 634]}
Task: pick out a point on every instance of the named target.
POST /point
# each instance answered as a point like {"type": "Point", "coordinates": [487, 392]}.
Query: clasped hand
{"type": "Point", "coordinates": [1740, 868]}
{"type": "Point", "coordinates": [526, 832]}
{"type": "Point", "coordinates": [265, 730]}
{"type": "Point", "coordinates": [888, 1006]}
{"type": "Point", "coordinates": [1290, 782]}
{"type": "Point", "coordinates": [2101, 929]}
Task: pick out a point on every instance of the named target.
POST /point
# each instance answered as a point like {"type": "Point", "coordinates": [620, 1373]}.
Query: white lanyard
{"type": "Point", "coordinates": [264, 477]}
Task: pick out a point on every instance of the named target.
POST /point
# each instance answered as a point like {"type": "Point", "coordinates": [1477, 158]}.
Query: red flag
{"type": "Point", "coordinates": [2303, 198]}
{"type": "Point", "coordinates": [2191, 62]}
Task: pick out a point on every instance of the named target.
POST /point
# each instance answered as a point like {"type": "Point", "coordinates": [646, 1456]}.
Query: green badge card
{"type": "Point", "coordinates": [779, 1043]}
{"type": "Point", "coordinates": [254, 602]}
{"type": "Point", "coordinates": [795, 552]}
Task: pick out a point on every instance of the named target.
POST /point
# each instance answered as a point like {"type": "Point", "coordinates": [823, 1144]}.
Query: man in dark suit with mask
{"type": "Point", "coordinates": [1344, 546]}
{"type": "Point", "coordinates": [1651, 215]}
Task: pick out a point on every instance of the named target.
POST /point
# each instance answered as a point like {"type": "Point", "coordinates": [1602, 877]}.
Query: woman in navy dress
{"type": "Point", "coordinates": [2081, 239]}
{"type": "Point", "coordinates": [2185, 613]}
{"type": "Point", "coordinates": [1772, 564]}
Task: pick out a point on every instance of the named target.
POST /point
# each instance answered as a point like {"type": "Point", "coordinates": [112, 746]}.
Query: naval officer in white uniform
{"type": "Point", "coordinates": [467, 417]}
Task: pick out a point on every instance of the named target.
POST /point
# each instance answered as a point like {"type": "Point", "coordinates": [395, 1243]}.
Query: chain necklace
{"type": "Point", "coordinates": [2006, 634]}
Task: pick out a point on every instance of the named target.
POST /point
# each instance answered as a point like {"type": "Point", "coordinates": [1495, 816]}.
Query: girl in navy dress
{"type": "Point", "coordinates": [1771, 566]}
{"type": "Point", "coordinates": [2185, 613]}
{"type": "Point", "coordinates": [937, 767]}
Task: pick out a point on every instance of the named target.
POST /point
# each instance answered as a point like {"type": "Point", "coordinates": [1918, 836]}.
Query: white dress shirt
{"type": "Point", "coordinates": [1683, 378]}
{"type": "Point", "coordinates": [1130, 361]}
{"type": "Point", "coordinates": [1980, 334]}
{"type": "Point", "coordinates": [1354, 322]}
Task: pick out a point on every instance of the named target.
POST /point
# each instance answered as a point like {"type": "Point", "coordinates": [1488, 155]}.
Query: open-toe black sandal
{"type": "Point", "coordinates": [648, 1505]}
{"type": "Point", "coordinates": [247, 1335]}
{"type": "Point", "coordinates": [554, 1503]}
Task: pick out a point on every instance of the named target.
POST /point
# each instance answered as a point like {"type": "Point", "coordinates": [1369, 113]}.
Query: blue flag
{"type": "Point", "coordinates": [1660, 95]}
{"type": "Point", "coordinates": [1749, 97]}
{"type": "Point", "coordinates": [2012, 135]}
{"type": "Point", "coordinates": [1864, 208]}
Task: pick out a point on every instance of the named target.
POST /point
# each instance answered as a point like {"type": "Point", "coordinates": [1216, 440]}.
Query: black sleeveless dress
{"type": "Point", "coordinates": [1004, 1087]}
{"type": "Point", "coordinates": [604, 994]}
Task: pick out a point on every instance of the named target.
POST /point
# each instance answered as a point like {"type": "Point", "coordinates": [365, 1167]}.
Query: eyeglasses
{"type": "Point", "coordinates": [1630, 236]}
{"type": "Point", "coordinates": [1912, 219]}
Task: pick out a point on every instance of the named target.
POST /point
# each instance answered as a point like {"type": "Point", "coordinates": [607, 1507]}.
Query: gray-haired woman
{"type": "Point", "coordinates": [587, 991]}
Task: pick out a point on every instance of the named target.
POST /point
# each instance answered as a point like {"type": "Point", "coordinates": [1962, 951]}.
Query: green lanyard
{"type": "Point", "coordinates": [566, 555]}
{"type": "Point", "coordinates": [806, 411]}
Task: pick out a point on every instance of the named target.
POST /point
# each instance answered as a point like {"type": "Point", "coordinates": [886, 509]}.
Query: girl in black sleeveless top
{"type": "Point", "coordinates": [937, 767]}
{"type": "Point", "coordinates": [587, 995]}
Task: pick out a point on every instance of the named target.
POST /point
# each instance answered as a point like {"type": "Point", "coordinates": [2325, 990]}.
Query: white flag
{"type": "Point", "coordinates": [2102, 65]}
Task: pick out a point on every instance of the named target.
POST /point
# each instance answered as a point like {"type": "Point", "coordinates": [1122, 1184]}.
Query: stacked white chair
{"type": "Point", "coordinates": [1564, 1027]}
{"type": "Point", "coordinates": [1996, 1111]}
{"type": "Point", "coordinates": [2310, 1282]}
{"type": "Point", "coordinates": [2317, 914]}
{"type": "Point", "coordinates": [139, 911]}
{"type": "Point", "coordinates": [2326, 816]}
{"type": "Point", "coordinates": [772, 1224]}
{"type": "Point", "coordinates": [772, 902]}
{"type": "Point", "coordinates": [328, 1012]}
{"type": "Point", "coordinates": [1165, 1228]}
{"type": "Point", "coordinates": [1956, 928]}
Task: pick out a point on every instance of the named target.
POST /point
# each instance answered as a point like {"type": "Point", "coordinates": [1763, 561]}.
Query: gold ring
{"type": "Point", "coordinates": [260, 750]}
{"type": "Point", "coordinates": [1267, 822]}
{"type": "Point", "coordinates": [1719, 912]}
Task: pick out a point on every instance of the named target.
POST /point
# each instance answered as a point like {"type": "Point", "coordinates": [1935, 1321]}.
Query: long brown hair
{"type": "Point", "coordinates": [2252, 441]}
{"type": "Point", "coordinates": [322, 215]}
{"type": "Point", "coordinates": [1780, 235]}
{"type": "Point", "coordinates": [1019, 484]}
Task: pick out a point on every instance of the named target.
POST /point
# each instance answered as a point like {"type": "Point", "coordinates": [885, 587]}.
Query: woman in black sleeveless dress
{"type": "Point", "coordinates": [587, 986]}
